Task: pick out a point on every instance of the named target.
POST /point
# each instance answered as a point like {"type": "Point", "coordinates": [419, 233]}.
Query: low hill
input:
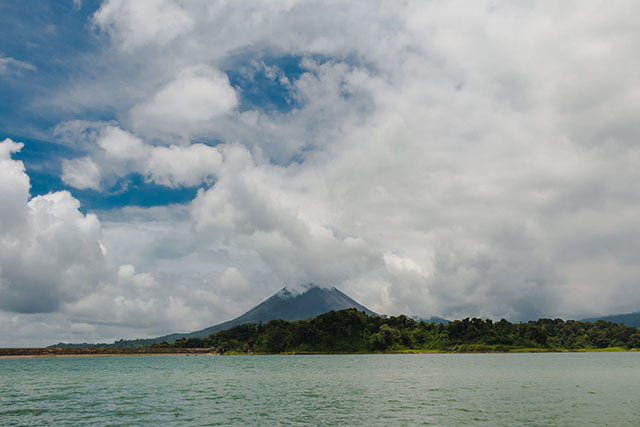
{"type": "Point", "coordinates": [432, 319]}
{"type": "Point", "coordinates": [629, 319]}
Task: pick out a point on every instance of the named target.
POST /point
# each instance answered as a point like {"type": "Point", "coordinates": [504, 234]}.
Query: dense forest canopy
{"type": "Point", "coordinates": [353, 331]}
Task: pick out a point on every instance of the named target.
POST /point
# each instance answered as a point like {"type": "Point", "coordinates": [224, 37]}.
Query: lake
{"type": "Point", "coordinates": [420, 389]}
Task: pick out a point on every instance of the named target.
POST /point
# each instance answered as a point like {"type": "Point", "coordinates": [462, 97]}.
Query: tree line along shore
{"type": "Point", "coordinates": [353, 331]}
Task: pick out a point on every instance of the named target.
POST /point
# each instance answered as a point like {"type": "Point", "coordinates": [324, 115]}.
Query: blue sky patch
{"type": "Point", "coordinates": [58, 42]}
{"type": "Point", "coordinates": [43, 161]}
{"type": "Point", "coordinates": [52, 38]}
{"type": "Point", "coordinates": [132, 190]}
{"type": "Point", "coordinates": [265, 82]}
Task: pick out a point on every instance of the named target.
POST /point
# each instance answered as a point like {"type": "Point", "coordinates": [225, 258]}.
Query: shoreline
{"type": "Point", "coordinates": [57, 356]}
{"type": "Point", "coordinates": [39, 353]}
{"type": "Point", "coordinates": [26, 353]}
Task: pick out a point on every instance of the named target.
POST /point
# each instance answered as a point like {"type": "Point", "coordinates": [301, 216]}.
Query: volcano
{"type": "Point", "coordinates": [285, 305]}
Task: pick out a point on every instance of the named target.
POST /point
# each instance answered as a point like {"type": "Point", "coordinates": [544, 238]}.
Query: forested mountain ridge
{"type": "Point", "coordinates": [629, 319]}
{"type": "Point", "coordinates": [353, 331]}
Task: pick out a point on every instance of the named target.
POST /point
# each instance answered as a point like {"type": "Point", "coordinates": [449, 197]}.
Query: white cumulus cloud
{"type": "Point", "coordinates": [50, 252]}
{"type": "Point", "coordinates": [115, 153]}
{"type": "Point", "coordinates": [136, 23]}
{"type": "Point", "coordinates": [452, 159]}
{"type": "Point", "coordinates": [187, 104]}
{"type": "Point", "coordinates": [81, 173]}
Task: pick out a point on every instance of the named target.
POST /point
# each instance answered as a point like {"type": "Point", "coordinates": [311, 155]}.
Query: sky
{"type": "Point", "coordinates": [165, 165]}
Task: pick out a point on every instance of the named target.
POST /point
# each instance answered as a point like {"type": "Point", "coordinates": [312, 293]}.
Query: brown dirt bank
{"type": "Point", "coordinates": [70, 352]}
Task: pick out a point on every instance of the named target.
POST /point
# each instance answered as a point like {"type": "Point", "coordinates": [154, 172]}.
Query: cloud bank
{"type": "Point", "coordinates": [427, 158]}
{"type": "Point", "coordinates": [49, 252]}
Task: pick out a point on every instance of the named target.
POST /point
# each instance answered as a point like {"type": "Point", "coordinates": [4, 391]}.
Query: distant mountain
{"type": "Point", "coordinates": [432, 319]}
{"type": "Point", "coordinates": [629, 319]}
{"type": "Point", "coordinates": [283, 305]}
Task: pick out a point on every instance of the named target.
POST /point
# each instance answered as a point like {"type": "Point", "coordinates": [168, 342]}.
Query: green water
{"type": "Point", "coordinates": [440, 389]}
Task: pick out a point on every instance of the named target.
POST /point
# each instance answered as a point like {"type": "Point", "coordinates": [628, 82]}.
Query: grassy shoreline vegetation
{"type": "Point", "coordinates": [352, 332]}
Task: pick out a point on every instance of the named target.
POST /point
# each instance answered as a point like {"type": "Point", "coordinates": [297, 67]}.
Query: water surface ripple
{"type": "Point", "coordinates": [440, 389]}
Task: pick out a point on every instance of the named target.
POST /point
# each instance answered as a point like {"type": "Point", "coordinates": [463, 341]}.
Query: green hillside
{"type": "Point", "coordinates": [353, 331]}
{"type": "Point", "coordinates": [629, 319]}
